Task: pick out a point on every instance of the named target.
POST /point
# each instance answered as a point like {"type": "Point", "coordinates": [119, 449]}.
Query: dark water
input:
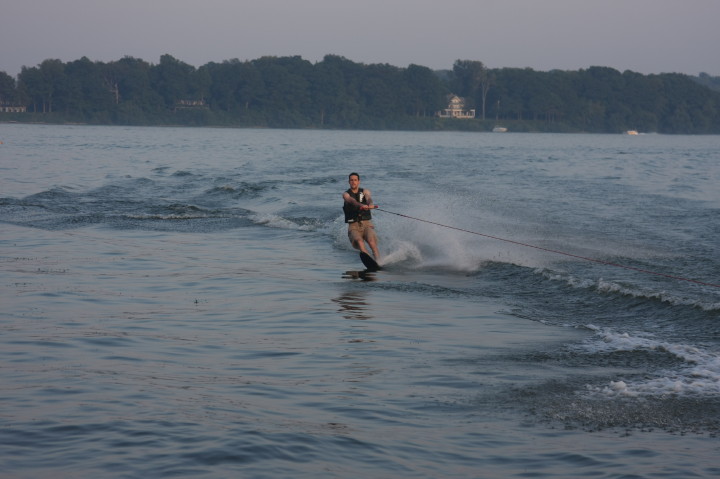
{"type": "Point", "coordinates": [184, 302]}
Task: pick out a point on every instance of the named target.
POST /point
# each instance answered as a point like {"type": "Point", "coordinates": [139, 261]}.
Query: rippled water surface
{"type": "Point", "coordinates": [184, 303]}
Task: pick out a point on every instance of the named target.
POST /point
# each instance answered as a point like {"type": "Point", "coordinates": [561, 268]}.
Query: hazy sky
{"type": "Point", "coordinates": [646, 36]}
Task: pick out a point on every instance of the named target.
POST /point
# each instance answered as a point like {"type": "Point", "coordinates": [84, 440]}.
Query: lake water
{"type": "Point", "coordinates": [183, 302]}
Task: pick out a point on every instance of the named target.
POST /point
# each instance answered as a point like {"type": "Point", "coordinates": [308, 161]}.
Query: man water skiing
{"type": "Point", "coordinates": [357, 206]}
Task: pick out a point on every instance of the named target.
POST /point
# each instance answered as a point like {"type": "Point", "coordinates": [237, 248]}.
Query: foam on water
{"type": "Point", "coordinates": [699, 374]}
{"type": "Point", "coordinates": [277, 221]}
{"type": "Point", "coordinates": [437, 239]}
{"type": "Point", "coordinates": [402, 252]}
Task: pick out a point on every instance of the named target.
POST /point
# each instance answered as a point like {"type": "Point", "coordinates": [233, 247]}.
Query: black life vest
{"type": "Point", "coordinates": [354, 213]}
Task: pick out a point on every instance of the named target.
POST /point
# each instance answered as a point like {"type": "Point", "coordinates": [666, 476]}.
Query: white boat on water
{"type": "Point", "coordinates": [499, 129]}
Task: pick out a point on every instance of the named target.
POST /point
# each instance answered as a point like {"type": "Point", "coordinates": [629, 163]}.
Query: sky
{"type": "Point", "coordinates": [645, 36]}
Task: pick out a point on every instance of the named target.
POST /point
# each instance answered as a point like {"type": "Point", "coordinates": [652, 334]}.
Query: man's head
{"type": "Point", "coordinates": [354, 181]}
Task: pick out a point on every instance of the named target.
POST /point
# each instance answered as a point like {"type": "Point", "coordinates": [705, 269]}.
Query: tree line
{"type": "Point", "coordinates": [290, 92]}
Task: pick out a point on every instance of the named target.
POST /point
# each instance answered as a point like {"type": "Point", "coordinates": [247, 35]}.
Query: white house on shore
{"type": "Point", "coordinates": [456, 109]}
{"type": "Point", "coordinates": [5, 108]}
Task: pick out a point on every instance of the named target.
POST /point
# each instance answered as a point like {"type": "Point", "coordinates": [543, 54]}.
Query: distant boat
{"type": "Point", "coordinates": [631, 132]}
{"type": "Point", "coordinates": [499, 129]}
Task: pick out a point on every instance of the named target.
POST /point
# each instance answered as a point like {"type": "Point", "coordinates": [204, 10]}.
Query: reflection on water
{"type": "Point", "coordinates": [364, 275]}
{"type": "Point", "coordinates": [360, 366]}
{"type": "Point", "coordinates": [353, 305]}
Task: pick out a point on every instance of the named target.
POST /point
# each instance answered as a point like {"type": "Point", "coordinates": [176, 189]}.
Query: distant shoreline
{"type": "Point", "coordinates": [337, 93]}
{"type": "Point", "coordinates": [480, 127]}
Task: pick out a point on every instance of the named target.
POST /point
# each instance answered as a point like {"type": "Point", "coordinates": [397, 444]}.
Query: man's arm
{"type": "Point", "coordinates": [368, 197]}
{"type": "Point", "coordinates": [349, 199]}
{"type": "Point", "coordinates": [352, 201]}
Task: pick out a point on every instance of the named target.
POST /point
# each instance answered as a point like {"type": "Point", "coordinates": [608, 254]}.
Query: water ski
{"type": "Point", "coordinates": [369, 263]}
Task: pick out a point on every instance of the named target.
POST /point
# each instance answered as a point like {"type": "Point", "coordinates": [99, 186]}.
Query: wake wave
{"type": "Point", "coordinates": [282, 222]}
{"type": "Point", "coordinates": [603, 286]}
{"type": "Point", "coordinates": [698, 375]}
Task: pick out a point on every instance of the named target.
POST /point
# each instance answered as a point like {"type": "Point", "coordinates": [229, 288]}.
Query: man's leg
{"type": "Point", "coordinates": [356, 237]}
{"type": "Point", "coordinates": [371, 239]}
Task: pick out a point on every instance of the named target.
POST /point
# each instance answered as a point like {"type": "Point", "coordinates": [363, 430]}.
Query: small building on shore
{"type": "Point", "coordinates": [456, 109]}
{"type": "Point", "coordinates": [190, 104]}
{"type": "Point", "coordinates": [8, 108]}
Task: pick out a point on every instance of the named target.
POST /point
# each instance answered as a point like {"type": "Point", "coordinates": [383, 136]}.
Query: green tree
{"type": "Point", "coordinates": [88, 92]}
{"type": "Point", "coordinates": [139, 102]}
{"type": "Point", "coordinates": [424, 92]}
{"type": "Point", "coordinates": [223, 83]}
{"type": "Point", "coordinates": [381, 92]}
{"type": "Point", "coordinates": [172, 79]}
{"type": "Point", "coordinates": [510, 89]}
{"type": "Point", "coordinates": [40, 84]}
{"type": "Point", "coordinates": [334, 90]}
{"type": "Point", "coordinates": [8, 91]}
